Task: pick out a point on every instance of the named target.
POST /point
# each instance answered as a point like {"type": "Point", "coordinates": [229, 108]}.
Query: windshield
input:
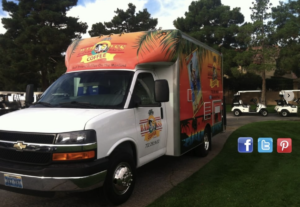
{"type": "Point", "coordinates": [89, 89]}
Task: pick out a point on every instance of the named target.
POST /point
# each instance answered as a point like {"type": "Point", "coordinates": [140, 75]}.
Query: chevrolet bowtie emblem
{"type": "Point", "coordinates": [20, 146]}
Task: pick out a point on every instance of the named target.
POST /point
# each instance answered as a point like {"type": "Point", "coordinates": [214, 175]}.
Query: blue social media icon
{"type": "Point", "coordinates": [245, 144]}
{"type": "Point", "coordinates": [265, 145]}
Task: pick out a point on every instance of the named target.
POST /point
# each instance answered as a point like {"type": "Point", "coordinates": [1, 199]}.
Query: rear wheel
{"type": "Point", "coordinates": [120, 179]}
{"type": "Point", "coordinates": [264, 112]}
{"type": "Point", "coordinates": [237, 112]}
{"type": "Point", "coordinates": [284, 113]}
{"type": "Point", "coordinates": [203, 149]}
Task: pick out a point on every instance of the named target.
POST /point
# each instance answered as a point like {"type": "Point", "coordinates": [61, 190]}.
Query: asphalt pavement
{"type": "Point", "coordinates": [153, 179]}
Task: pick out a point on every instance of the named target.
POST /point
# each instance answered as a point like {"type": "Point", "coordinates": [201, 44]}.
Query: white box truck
{"type": "Point", "coordinates": [124, 101]}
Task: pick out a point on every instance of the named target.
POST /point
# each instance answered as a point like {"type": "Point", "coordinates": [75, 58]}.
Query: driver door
{"type": "Point", "coordinates": [151, 126]}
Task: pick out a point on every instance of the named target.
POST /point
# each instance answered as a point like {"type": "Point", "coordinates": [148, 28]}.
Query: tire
{"type": "Point", "coordinates": [203, 149]}
{"type": "Point", "coordinates": [284, 113]}
{"type": "Point", "coordinates": [120, 178]}
{"type": "Point", "coordinates": [264, 112]}
{"type": "Point", "coordinates": [237, 112]}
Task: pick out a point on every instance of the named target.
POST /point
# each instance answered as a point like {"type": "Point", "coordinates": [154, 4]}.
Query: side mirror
{"type": "Point", "coordinates": [161, 91]}
{"type": "Point", "coordinates": [29, 95]}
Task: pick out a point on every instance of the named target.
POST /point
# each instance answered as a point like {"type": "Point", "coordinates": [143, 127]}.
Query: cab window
{"type": "Point", "coordinates": [144, 89]}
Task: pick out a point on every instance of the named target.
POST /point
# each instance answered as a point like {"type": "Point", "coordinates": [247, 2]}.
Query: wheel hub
{"type": "Point", "coordinates": [122, 178]}
{"type": "Point", "coordinates": [206, 142]}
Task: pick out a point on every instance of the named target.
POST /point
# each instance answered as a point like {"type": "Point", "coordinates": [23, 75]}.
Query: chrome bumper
{"type": "Point", "coordinates": [59, 183]}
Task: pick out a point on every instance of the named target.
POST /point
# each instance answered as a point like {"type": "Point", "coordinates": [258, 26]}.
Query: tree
{"type": "Point", "coordinates": [215, 25]}
{"type": "Point", "coordinates": [125, 21]}
{"type": "Point", "coordinates": [287, 21]}
{"type": "Point", "coordinates": [211, 22]}
{"type": "Point", "coordinates": [261, 49]}
{"type": "Point", "coordinates": [240, 82]}
{"type": "Point", "coordinates": [38, 32]}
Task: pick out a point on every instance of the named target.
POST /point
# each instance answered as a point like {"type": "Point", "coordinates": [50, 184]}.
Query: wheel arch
{"type": "Point", "coordinates": [125, 144]}
{"type": "Point", "coordinates": [208, 127]}
{"type": "Point", "coordinates": [235, 108]}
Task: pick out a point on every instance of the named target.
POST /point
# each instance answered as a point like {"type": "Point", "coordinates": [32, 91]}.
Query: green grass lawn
{"type": "Point", "coordinates": [270, 108]}
{"type": "Point", "coordinates": [251, 179]}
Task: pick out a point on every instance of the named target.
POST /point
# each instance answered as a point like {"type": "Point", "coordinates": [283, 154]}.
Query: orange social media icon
{"type": "Point", "coordinates": [284, 145]}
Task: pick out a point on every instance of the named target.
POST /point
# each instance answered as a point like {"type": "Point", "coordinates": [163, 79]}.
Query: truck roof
{"type": "Point", "coordinates": [126, 50]}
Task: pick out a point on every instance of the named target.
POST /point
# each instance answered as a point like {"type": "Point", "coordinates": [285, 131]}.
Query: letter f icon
{"type": "Point", "coordinates": [247, 144]}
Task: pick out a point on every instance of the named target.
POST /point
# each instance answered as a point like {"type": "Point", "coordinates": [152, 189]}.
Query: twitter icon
{"type": "Point", "coordinates": [265, 145]}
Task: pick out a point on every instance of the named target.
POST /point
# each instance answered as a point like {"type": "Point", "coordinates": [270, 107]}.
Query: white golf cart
{"type": "Point", "coordinates": [238, 107]}
{"type": "Point", "coordinates": [283, 107]}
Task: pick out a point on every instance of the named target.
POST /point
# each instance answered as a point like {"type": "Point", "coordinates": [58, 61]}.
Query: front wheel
{"type": "Point", "coordinates": [120, 179]}
{"type": "Point", "coordinates": [284, 113]}
{"type": "Point", "coordinates": [264, 112]}
{"type": "Point", "coordinates": [237, 112]}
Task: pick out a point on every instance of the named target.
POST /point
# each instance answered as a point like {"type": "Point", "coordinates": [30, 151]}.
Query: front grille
{"type": "Point", "coordinates": [27, 137]}
{"type": "Point", "coordinates": [25, 157]}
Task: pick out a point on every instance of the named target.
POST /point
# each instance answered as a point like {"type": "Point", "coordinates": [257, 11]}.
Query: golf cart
{"type": "Point", "coordinates": [9, 101]}
{"type": "Point", "coordinates": [12, 101]}
{"type": "Point", "coordinates": [238, 107]}
{"type": "Point", "coordinates": [283, 107]}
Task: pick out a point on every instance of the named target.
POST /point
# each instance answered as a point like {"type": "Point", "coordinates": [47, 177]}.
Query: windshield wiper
{"type": "Point", "coordinates": [43, 103]}
{"type": "Point", "coordinates": [75, 103]}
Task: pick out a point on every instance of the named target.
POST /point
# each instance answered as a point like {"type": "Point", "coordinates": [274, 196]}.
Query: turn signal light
{"type": "Point", "coordinates": [73, 156]}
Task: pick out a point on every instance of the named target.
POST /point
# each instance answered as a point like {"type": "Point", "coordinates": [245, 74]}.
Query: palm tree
{"type": "Point", "coordinates": [72, 47]}
{"type": "Point", "coordinates": [184, 125]}
{"type": "Point", "coordinates": [172, 43]}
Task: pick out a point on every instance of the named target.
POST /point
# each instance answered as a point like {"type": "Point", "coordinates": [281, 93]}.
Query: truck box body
{"type": "Point", "coordinates": [107, 99]}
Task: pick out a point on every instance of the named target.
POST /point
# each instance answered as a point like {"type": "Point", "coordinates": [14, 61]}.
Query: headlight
{"type": "Point", "coordinates": [79, 137]}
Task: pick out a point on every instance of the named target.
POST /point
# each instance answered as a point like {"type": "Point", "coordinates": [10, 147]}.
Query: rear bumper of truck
{"type": "Point", "coordinates": [54, 178]}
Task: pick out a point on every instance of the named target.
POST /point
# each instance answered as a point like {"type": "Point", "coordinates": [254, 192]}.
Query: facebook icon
{"type": "Point", "coordinates": [245, 144]}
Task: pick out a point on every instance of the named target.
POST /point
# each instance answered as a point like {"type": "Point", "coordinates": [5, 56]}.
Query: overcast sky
{"type": "Point", "coordinates": [93, 11]}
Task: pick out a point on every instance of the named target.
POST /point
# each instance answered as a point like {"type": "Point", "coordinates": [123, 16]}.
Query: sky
{"type": "Point", "coordinates": [166, 11]}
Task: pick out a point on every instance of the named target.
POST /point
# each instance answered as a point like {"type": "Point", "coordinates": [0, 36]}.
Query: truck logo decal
{"type": "Point", "coordinates": [151, 127]}
{"type": "Point", "coordinates": [101, 51]}
{"type": "Point", "coordinates": [20, 146]}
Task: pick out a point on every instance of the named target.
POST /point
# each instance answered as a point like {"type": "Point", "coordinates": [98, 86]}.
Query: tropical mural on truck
{"type": "Point", "coordinates": [205, 97]}
{"type": "Point", "coordinates": [200, 81]}
{"type": "Point", "coordinates": [171, 42]}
